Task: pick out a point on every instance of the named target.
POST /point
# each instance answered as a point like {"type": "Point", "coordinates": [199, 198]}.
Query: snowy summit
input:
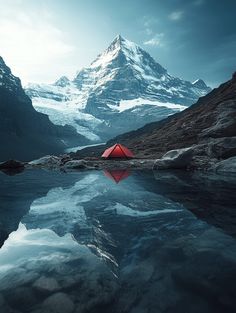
{"type": "Point", "coordinates": [123, 88]}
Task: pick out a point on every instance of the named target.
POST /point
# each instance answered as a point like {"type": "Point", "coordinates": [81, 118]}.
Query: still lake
{"type": "Point", "coordinates": [116, 241]}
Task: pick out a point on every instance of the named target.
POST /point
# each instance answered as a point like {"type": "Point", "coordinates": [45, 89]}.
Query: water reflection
{"type": "Point", "coordinates": [117, 174]}
{"type": "Point", "coordinates": [87, 245]}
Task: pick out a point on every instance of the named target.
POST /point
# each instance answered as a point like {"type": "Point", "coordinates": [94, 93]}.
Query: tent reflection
{"type": "Point", "coordinates": [117, 175]}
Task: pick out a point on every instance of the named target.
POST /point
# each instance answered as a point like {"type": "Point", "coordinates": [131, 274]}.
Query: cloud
{"type": "Point", "coordinates": [31, 43]}
{"type": "Point", "coordinates": [148, 31]}
{"type": "Point", "coordinates": [176, 15]}
{"type": "Point", "coordinates": [155, 40]}
{"type": "Point", "coordinates": [148, 23]}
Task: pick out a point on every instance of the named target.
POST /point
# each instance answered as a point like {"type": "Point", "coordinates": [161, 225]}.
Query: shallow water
{"type": "Point", "coordinates": [95, 241]}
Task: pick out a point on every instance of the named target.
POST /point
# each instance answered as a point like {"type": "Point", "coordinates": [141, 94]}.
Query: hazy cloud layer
{"type": "Point", "coordinates": [41, 40]}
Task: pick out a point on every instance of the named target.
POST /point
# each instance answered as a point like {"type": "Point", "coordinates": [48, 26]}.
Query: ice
{"type": "Point", "coordinates": [62, 113]}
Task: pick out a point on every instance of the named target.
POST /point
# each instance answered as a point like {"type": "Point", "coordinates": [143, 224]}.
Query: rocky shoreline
{"type": "Point", "coordinates": [196, 157]}
{"type": "Point", "coordinates": [63, 163]}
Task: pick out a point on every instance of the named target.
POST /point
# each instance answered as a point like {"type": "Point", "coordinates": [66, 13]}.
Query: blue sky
{"type": "Point", "coordinates": [45, 39]}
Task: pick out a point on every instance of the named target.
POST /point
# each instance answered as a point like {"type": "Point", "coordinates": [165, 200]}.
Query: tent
{"type": "Point", "coordinates": [117, 151]}
{"type": "Point", "coordinates": [117, 175]}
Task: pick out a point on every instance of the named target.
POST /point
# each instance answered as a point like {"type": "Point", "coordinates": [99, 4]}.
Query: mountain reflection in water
{"type": "Point", "coordinates": [78, 243]}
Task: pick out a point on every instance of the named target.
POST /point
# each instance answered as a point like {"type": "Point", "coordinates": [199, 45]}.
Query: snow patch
{"type": "Point", "coordinates": [129, 104]}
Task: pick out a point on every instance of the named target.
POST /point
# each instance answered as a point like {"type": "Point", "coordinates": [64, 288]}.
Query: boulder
{"type": "Point", "coordinates": [175, 159]}
{"type": "Point", "coordinates": [58, 303]}
{"type": "Point", "coordinates": [201, 156]}
{"type": "Point", "coordinates": [226, 166]}
{"type": "Point", "coordinates": [75, 164]}
{"type": "Point", "coordinates": [48, 161]}
{"type": "Point", "coordinates": [222, 148]}
{"type": "Point", "coordinates": [224, 123]}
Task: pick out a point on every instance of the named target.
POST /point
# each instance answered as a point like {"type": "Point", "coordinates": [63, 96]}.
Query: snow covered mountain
{"type": "Point", "coordinates": [123, 89]}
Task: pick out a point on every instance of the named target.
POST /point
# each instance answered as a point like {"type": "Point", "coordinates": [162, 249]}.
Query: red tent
{"type": "Point", "coordinates": [117, 151]}
{"type": "Point", "coordinates": [117, 175]}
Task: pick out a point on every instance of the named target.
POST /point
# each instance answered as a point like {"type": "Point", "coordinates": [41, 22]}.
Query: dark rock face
{"type": "Point", "coordinates": [25, 133]}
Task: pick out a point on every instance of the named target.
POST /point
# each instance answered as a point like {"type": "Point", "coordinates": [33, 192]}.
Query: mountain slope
{"type": "Point", "coordinates": [128, 72]}
{"type": "Point", "coordinates": [213, 117]}
{"type": "Point", "coordinates": [123, 89]}
{"type": "Point", "coordinates": [25, 133]}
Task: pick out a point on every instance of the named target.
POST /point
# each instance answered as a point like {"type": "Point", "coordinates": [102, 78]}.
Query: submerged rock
{"type": "Point", "coordinates": [46, 284]}
{"type": "Point", "coordinates": [58, 303]}
{"type": "Point", "coordinates": [2, 302]}
{"type": "Point", "coordinates": [17, 277]}
{"type": "Point", "coordinates": [22, 297]}
{"type": "Point", "coordinates": [11, 164]}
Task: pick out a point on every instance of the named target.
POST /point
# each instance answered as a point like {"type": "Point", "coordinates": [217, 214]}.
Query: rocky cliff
{"type": "Point", "coordinates": [25, 133]}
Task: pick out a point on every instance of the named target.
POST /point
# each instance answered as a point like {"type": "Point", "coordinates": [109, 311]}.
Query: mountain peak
{"type": "Point", "coordinates": [62, 81]}
{"type": "Point", "coordinates": [121, 43]}
{"type": "Point", "coordinates": [119, 48]}
{"type": "Point", "coordinates": [199, 83]}
{"type": "Point", "coordinates": [119, 38]}
{"type": "Point", "coordinates": [2, 61]}
{"type": "Point", "coordinates": [7, 79]}
{"type": "Point", "coordinates": [3, 67]}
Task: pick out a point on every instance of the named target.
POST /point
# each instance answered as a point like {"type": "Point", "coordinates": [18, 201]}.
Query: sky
{"type": "Point", "coordinates": [45, 39]}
